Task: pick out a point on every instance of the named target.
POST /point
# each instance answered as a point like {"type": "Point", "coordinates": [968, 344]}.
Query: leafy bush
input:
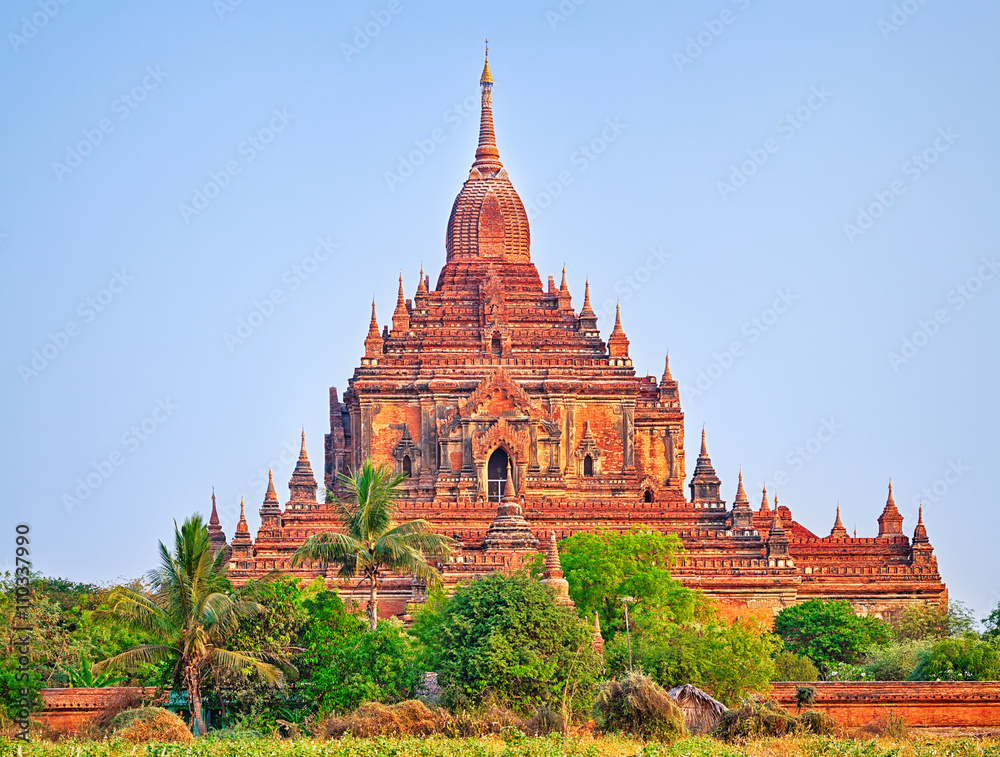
{"type": "Point", "coordinates": [638, 706]}
{"type": "Point", "coordinates": [789, 666]}
{"type": "Point", "coordinates": [968, 658]}
{"type": "Point", "coordinates": [756, 720]}
{"type": "Point", "coordinates": [829, 632]}
{"type": "Point", "coordinates": [729, 661]}
{"type": "Point", "coordinates": [929, 622]}
{"type": "Point", "coordinates": [503, 637]}
{"type": "Point", "coordinates": [345, 664]}
{"type": "Point", "coordinates": [817, 722]}
{"type": "Point", "coordinates": [894, 662]}
{"type": "Point", "coordinates": [150, 724]}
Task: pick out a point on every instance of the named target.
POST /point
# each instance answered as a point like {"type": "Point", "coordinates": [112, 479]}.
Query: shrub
{"type": "Point", "coordinates": [894, 662]}
{"type": "Point", "coordinates": [966, 659]}
{"type": "Point", "coordinates": [545, 721]}
{"type": "Point", "coordinates": [503, 637]}
{"type": "Point", "coordinates": [789, 666]}
{"type": "Point", "coordinates": [818, 722]}
{"type": "Point", "coordinates": [756, 720]}
{"type": "Point", "coordinates": [150, 724]}
{"type": "Point", "coordinates": [638, 706]}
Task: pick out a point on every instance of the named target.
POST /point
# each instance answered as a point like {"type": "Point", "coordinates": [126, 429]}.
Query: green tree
{"type": "Point", "coordinates": [921, 622]}
{"type": "Point", "coordinates": [344, 663]}
{"type": "Point", "coordinates": [601, 567]}
{"type": "Point", "coordinates": [193, 612]}
{"type": "Point", "coordinates": [274, 634]}
{"type": "Point", "coordinates": [504, 637]}
{"type": "Point", "coordinates": [731, 661]}
{"type": "Point", "coordinates": [828, 632]}
{"type": "Point", "coordinates": [967, 658]}
{"type": "Point", "coordinates": [371, 543]}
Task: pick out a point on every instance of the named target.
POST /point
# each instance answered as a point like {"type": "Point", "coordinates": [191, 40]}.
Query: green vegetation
{"type": "Point", "coordinates": [968, 658]}
{"type": "Point", "coordinates": [192, 614]}
{"type": "Point", "coordinates": [676, 636]}
{"type": "Point", "coordinates": [345, 664]}
{"type": "Point", "coordinates": [604, 566]}
{"type": "Point", "coordinates": [372, 543]}
{"type": "Point", "coordinates": [503, 638]}
{"type": "Point", "coordinates": [829, 632]}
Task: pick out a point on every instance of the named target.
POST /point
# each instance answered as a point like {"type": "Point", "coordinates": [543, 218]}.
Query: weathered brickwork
{"type": "Point", "coordinates": [489, 382]}
{"type": "Point", "coordinates": [921, 704]}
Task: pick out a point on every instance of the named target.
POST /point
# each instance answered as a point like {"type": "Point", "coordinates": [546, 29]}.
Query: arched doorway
{"type": "Point", "coordinates": [407, 465]}
{"type": "Point", "coordinates": [647, 495]}
{"type": "Point", "coordinates": [496, 474]}
{"type": "Point", "coordinates": [588, 466]}
{"type": "Point", "coordinates": [496, 347]}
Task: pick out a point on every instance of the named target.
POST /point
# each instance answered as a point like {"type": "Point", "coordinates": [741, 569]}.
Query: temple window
{"type": "Point", "coordinates": [588, 466]}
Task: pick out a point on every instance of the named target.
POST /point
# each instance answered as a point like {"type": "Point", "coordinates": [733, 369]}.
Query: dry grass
{"type": "Point", "coordinates": [149, 724]}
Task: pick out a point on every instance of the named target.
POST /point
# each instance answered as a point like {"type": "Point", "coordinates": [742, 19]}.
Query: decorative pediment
{"type": "Point", "coordinates": [497, 395]}
{"type": "Point", "coordinates": [502, 433]}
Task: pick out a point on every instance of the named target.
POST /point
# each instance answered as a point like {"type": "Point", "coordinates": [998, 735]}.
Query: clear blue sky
{"type": "Point", "coordinates": [747, 135]}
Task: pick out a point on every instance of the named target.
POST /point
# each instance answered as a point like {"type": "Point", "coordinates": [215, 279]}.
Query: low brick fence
{"type": "Point", "coordinates": [69, 710]}
{"type": "Point", "coordinates": [921, 704]}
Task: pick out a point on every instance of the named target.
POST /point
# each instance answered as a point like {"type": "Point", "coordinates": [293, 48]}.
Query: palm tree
{"type": "Point", "coordinates": [192, 612]}
{"type": "Point", "coordinates": [371, 544]}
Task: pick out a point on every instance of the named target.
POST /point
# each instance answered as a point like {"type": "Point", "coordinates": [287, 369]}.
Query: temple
{"type": "Point", "coordinates": [517, 425]}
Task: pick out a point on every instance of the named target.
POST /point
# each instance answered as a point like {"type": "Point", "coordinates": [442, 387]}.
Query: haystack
{"type": "Point", "coordinates": [701, 712]}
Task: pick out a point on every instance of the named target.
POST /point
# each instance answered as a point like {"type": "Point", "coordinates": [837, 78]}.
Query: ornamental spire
{"type": "Point", "coordinates": [587, 310]}
{"type": "Point", "coordinates": [241, 527]}
{"type": "Point", "coordinates": [667, 378]}
{"type": "Point", "coordinates": [741, 495]}
{"type": "Point", "coordinates": [765, 509]}
{"type": "Point", "coordinates": [618, 342]}
{"type": "Point", "coordinates": [920, 532]}
{"type": "Point", "coordinates": [487, 155]}
{"type": "Point", "coordinates": [890, 522]}
{"type": "Point", "coordinates": [400, 316]}
{"type": "Point", "coordinates": [422, 286]}
{"type": "Point", "coordinates": [838, 531]}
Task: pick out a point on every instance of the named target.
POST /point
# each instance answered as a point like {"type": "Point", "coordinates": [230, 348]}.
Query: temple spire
{"type": "Point", "coordinates": [487, 155]}
{"type": "Point", "coordinates": [241, 527]}
{"type": "Point", "coordinates": [373, 342]}
{"type": "Point", "coordinates": [618, 342]}
{"type": "Point", "coordinates": [920, 532]}
{"type": "Point", "coordinates": [704, 483]}
{"type": "Point", "coordinates": [666, 371]}
{"type": "Point", "coordinates": [765, 509]}
{"type": "Point", "coordinates": [838, 531]}
{"type": "Point", "coordinates": [422, 285]}
{"type": "Point", "coordinates": [890, 522]}
{"type": "Point", "coordinates": [400, 316]}
{"type": "Point", "coordinates": [741, 495]}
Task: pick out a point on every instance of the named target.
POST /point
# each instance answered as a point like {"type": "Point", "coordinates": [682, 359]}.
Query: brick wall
{"type": "Point", "coordinates": [921, 704]}
{"type": "Point", "coordinates": [69, 710]}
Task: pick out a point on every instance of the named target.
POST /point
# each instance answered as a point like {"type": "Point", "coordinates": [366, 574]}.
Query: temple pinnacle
{"type": "Point", "coordinates": [487, 155]}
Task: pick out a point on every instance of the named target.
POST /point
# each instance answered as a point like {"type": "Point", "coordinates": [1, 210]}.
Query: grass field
{"type": "Point", "coordinates": [549, 746]}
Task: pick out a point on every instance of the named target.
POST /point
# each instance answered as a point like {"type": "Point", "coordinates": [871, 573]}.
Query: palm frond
{"type": "Point", "coordinates": [131, 658]}
{"type": "Point", "coordinates": [140, 612]}
{"type": "Point", "coordinates": [420, 535]}
{"type": "Point", "coordinates": [237, 662]}
{"type": "Point", "coordinates": [328, 548]}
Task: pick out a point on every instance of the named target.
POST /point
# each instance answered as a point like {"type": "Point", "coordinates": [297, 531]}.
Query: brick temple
{"type": "Point", "coordinates": [513, 418]}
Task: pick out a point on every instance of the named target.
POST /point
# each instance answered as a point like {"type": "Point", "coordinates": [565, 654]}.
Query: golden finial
{"type": "Point", "coordinates": [486, 80]}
